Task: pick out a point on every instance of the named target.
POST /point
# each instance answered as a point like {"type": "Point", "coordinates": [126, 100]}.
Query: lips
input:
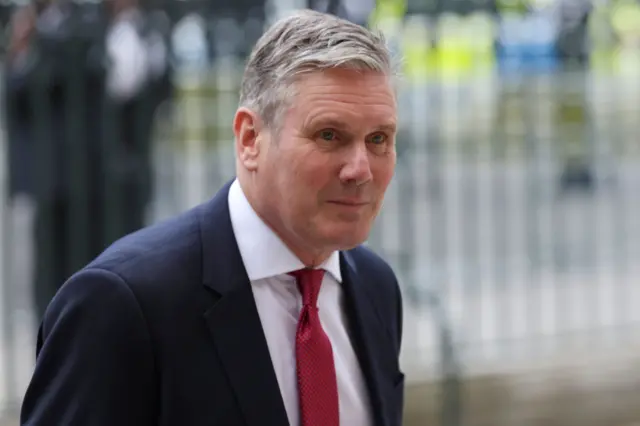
{"type": "Point", "coordinates": [349, 203]}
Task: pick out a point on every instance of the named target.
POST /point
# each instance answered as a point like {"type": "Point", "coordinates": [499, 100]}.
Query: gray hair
{"type": "Point", "coordinates": [304, 42]}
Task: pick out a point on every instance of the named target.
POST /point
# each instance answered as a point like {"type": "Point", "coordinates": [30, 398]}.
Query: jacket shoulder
{"type": "Point", "coordinates": [157, 253]}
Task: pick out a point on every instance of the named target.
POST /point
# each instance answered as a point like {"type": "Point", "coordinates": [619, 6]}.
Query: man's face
{"type": "Point", "coordinates": [322, 177]}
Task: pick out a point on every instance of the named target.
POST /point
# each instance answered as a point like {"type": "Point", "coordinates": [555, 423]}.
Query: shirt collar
{"type": "Point", "coordinates": [263, 253]}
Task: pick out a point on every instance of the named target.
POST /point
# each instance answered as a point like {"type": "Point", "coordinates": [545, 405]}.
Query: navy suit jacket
{"type": "Point", "coordinates": [162, 329]}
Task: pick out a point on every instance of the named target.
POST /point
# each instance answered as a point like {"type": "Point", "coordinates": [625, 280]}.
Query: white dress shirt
{"type": "Point", "coordinates": [268, 262]}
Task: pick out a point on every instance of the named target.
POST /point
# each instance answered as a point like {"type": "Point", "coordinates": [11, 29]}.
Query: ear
{"type": "Point", "coordinates": [246, 128]}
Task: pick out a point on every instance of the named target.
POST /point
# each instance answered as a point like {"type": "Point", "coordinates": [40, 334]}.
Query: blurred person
{"type": "Point", "coordinates": [260, 306]}
{"type": "Point", "coordinates": [20, 146]}
{"type": "Point", "coordinates": [138, 80]}
{"type": "Point", "coordinates": [58, 87]}
{"type": "Point", "coordinates": [40, 138]}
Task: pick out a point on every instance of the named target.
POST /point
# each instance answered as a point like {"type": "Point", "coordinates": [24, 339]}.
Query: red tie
{"type": "Point", "coordinates": [317, 387]}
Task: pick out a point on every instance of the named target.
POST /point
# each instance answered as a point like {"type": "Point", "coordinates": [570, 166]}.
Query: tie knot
{"type": "Point", "coordinates": [309, 281]}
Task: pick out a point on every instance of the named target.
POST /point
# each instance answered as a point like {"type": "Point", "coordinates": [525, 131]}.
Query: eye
{"type": "Point", "coordinates": [378, 138]}
{"type": "Point", "coordinates": [327, 135]}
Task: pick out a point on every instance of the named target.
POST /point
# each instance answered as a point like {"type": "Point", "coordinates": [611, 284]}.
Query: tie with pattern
{"type": "Point", "coordinates": [317, 386]}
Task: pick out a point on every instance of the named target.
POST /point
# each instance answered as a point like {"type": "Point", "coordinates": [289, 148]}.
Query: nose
{"type": "Point", "coordinates": [357, 168]}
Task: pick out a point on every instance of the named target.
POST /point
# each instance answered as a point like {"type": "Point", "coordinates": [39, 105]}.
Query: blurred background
{"type": "Point", "coordinates": [513, 221]}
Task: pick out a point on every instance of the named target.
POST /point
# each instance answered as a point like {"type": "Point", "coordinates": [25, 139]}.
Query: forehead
{"type": "Point", "coordinates": [348, 96]}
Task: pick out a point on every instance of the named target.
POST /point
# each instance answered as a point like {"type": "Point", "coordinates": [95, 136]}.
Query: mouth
{"type": "Point", "coordinates": [349, 203]}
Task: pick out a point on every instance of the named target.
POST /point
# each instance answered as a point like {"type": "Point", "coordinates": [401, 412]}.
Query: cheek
{"type": "Point", "coordinates": [383, 173]}
{"type": "Point", "coordinates": [314, 173]}
{"type": "Point", "coordinates": [298, 184]}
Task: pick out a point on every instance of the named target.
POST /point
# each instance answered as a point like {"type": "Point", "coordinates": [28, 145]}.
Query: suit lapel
{"type": "Point", "coordinates": [235, 326]}
{"type": "Point", "coordinates": [369, 344]}
{"type": "Point", "coordinates": [234, 322]}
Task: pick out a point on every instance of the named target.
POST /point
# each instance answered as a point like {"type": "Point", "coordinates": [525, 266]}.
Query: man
{"type": "Point", "coordinates": [214, 317]}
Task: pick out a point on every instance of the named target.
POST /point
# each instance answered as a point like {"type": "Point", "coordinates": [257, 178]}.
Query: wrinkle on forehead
{"type": "Point", "coordinates": [343, 98]}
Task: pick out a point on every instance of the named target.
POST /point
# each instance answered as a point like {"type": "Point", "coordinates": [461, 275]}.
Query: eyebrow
{"type": "Point", "coordinates": [341, 125]}
{"type": "Point", "coordinates": [329, 122]}
{"type": "Point", "coordinates": [390, 128]}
